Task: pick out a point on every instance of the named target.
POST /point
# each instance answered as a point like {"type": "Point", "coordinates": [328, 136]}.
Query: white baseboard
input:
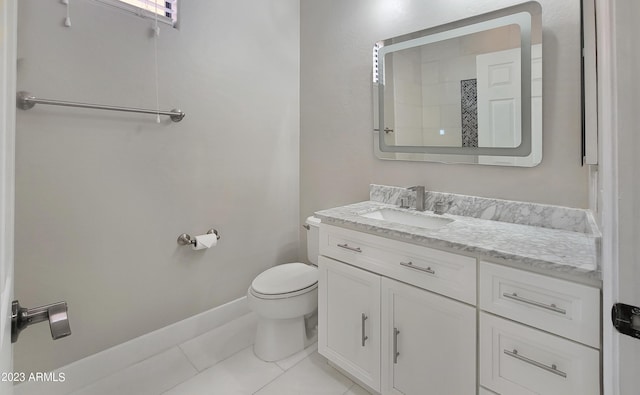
{"type": "Point", "coordinates": [85, 371]}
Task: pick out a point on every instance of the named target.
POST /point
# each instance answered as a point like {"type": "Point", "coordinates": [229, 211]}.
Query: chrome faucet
{"type": "Point", "coordinates": [419, 189]}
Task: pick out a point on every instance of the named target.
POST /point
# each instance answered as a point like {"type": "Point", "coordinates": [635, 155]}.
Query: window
{"type": "Point", "coordinates": [167, 10]}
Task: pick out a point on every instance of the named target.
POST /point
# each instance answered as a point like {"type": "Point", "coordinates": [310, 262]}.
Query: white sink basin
{"type": "Point", "coordinates": [420, 220]}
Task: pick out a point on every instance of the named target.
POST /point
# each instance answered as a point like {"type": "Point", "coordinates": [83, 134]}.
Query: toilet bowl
{"type": "Point", "coordinates": [285, 298]}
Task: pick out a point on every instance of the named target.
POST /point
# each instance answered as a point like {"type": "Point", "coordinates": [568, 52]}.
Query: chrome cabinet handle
{"type": "Point", "coordinates": [422, 269]}
{"type": "Point", "coordinates": [396, 354]}
{"type": "Point", "coordinates": [551, 307]}
{"type": "Point", "coordinates": [363, 319]}
{"type": "Point", "coordinates": [552, 369]}
{"type": "Point", "coordinates": [348, 247]}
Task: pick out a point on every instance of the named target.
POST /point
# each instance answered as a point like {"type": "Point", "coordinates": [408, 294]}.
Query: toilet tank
{"type": "Point", "coordinates": [313, 239]}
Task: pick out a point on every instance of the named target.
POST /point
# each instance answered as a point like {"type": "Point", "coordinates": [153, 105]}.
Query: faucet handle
{"type": "Point", "coordinates": [404, 202]}
{"type": "Point", "coordinates": [441, 206]}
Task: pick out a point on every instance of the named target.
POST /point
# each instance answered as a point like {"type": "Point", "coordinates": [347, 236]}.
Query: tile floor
{"type": "Point", "coordinates": [222, 362]}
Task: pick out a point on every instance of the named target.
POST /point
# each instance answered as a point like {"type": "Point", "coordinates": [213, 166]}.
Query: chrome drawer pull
{"type": "Point", "coordinates": [412, 266]}
{"type": "Point", "coordinates": [364, 337]}
{"type": "Point", "coordinates": [396, 332]}
{"type": "Point", "coordinates": [551, 307]}
{"type": "Point", "coordinates": [552, 369]}
{"type": "Point", "coordinates": [348, 247]}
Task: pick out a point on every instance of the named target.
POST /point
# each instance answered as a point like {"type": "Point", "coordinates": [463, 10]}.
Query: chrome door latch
{"type": "Point", "coordinates": [56, 314]}
{"type": "Point", "coordinates": [626, 319]}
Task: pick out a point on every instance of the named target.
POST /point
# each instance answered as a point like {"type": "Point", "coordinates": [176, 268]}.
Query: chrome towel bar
{"type": "Point", "coordinates": [26, 101]}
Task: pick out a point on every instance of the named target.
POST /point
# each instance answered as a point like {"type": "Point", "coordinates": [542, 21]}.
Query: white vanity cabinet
{"type": "Point", "coordinates": [538, 335]}
{"type": "Point", "coordinates": [428, 342]}
{"type": "Point", "coordinates": [403, 319]}
{"type": "Point", "coordinates": [394, 337]}
{"type": "Point", "coordinates": [519, 360]}
{"type": "Point", "coordinates": [349, 319]}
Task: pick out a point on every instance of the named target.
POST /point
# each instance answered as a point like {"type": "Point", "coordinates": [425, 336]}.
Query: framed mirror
{"type": "Point", "coordinates": [469, 91]}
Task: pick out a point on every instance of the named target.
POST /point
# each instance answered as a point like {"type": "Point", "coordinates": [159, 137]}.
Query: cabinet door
{"type": "Point", "coordinates": [429, 342]}
{"type": "Point", "coordinates": [349, 319]}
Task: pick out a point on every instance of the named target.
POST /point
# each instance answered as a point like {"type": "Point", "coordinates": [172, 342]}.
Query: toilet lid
{"type": "Point", "coordinates": [287, 278]}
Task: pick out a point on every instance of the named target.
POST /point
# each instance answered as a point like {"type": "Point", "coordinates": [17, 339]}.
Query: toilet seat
{"type": "Point", "coordinates": [283, 295]}
{"type": "Point", "coordinates": [285, 281]}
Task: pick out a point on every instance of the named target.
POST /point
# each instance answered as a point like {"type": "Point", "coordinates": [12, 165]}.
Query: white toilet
{"type": "Point", "coordinates": [285, 298]}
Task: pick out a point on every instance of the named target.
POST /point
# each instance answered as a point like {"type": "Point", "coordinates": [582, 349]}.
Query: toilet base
{"type": "Point", "coordinates": [280, 338]}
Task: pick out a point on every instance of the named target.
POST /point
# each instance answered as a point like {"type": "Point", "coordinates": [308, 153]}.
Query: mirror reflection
{"type": "Point", "coordinates": [470, 88]}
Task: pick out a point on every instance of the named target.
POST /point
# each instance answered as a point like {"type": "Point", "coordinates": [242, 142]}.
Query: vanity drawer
{"type": "Point", "coordinates": [442, 272]}
{"type": "Point", "coordinates": [562, 307]}
{"type": "Point", "coordinates": [515, 359]}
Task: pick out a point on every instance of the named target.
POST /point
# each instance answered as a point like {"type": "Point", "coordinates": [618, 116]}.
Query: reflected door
{"type": "Point", "coordinates": [499, 97]}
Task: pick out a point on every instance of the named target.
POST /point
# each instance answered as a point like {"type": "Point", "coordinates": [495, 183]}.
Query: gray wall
{"type": "Point", "coordinates": [336, 142]}
{"type": "Point", "coordinates": [102, 197]}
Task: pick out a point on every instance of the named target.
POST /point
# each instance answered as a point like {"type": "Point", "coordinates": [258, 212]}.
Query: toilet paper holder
{"type": "Point", "coordinates": [185, 239]}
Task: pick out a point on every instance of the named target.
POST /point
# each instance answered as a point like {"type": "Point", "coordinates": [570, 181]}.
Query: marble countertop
{"type": "Point", "coordinates": [557, 252]}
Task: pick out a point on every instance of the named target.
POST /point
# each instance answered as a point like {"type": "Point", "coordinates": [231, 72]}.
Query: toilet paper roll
{"type": "Point", "coordinates": [205, 241]}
